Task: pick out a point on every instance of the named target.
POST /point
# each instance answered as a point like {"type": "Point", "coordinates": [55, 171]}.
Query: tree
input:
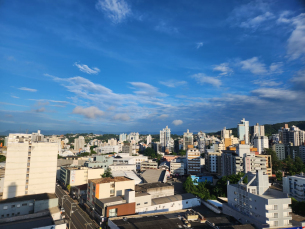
{"type": "Point", "coordinates": [107, 173]}
{"type": "Point", "coordinates": [187, 185]}
{"type": "Point", "coordinates": [279, 176]}
{"type": "Point", "coordinates": [68, 188]}
{"type": "Point", "coordinates": [2, 158]}
{"type": "Point", "coordinates": [182, 152]}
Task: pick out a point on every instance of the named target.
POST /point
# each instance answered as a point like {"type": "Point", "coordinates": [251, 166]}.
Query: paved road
{"type": "Point", "coordinates": [80, 220]}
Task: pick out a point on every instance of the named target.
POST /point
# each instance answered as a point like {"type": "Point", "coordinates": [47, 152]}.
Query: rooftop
{"type": "Point", "coordinates": [109, 180]}
{"type": "Point", "coordinates": [169, 199]}
{"type": "Point", "coordinates": [111, 199]}
{"type": "Point", "coordinates": [43, 196]}
{"type": "Point", "coordinates": [29, 223]}
{"type": "Point", "coordinates": [144, 187]}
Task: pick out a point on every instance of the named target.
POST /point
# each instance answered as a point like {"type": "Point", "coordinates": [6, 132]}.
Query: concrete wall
{"type": "Point", "coordinates": [16, 208]}
{"type": "Point", "coordinates": [172, 206]}
{"type": "Point", "coordinates": [45, 204]}
{"type": "Point", "coordinates": [119, 189]}
{"type": "Point", "coordinates": [161, 191]}
{"type": "Point", "coordinates": [143, 201]}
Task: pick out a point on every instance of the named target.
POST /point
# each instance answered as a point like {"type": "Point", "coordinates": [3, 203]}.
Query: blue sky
{"type": "Point", "coordinates": [122, 65]}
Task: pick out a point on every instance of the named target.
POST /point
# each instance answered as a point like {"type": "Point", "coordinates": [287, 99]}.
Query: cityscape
{"type": "Point", "coordinates": [121, 114]}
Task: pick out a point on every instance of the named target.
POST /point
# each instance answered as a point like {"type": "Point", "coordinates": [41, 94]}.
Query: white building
{"type": "Point", "coordinates": [243, 131]}
{"type": "Point", "coordinates": [148, 139]}
{"type": "Point", "coordinates": [133, 137]}
{"type": "Point", "coordinates": [108, 149]}
{"type": "Point", "coordinates": [259, 130]}
{"type": "Point", "coordinates": [258, 204]}
{"type": "Point", "coordinates": [187, 140]}
{"type": "Point", "coordinates": [30, 166]}
{"type": "Point", "coordinates": [79, 143]}
{"type": "Point", "coordinates": [177, 168]}
{"type": "Point", "coordinates": [201, 141]}
{"type": "Point", "coordinates": [165, 139]}
{"type": "Point", "coordinates": [123, 137]}
{"type": "Point", "coordinates": [295, 186]}
{"type": "Point", "coordinates": [122, 167]}
{"type": "Point", "coordinates": [112, 142]}
{"type": "Point", "coordinates": [261, 143]}
{"type": "Point", "coordinates": [130, 160]}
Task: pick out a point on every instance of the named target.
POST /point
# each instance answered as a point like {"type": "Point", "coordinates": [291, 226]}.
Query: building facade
{"type": "Point", "coordinates": [294, 186]}
{"type": "Point", "coordinates": [243, 131]}
{"type": "Point", "coordinates": [187, 140]}
{"type": "Point", "coordinates": [193, 161]}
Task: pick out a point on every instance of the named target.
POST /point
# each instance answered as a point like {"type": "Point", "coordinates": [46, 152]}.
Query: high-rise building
{"type": "Point", "coordinates": [243, 131]}
{"type": "Point", "coordinates": [201, 141]}
{"type": "Point", "coordinates": [133, 137]}
{"type": "Point", "coordinates": [79, 143]}
{"type": "Point", "coordinates": [30, 166]}
{"type": "Point", "coordinates": [148, 139]}
{"type": "Point", "coordinates": [165, 138]}
{"type": "Point", "coordinates": [123, 137]}
{"type": "Point", "coordinates": [187, 140]}
{"type": "Point", "coordinates": [226, 133]}
{"type": "Point", "coordinates": [259, 130]}
{"type": "Point", "coordinates": [213, 162]}
{"type": "Point", "coordinates": [292, 185]}
{"type": "Point", "coordinates": [193, 161]}
{"type": "Point", "coordinates": [292, 135]}
{"type": "Point", "coordinates": [261, 143]}
{"type": "Point", "coordinates": [279, 149]}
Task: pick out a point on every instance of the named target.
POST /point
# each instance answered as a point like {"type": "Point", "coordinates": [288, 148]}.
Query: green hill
{"type": "Point", "coordinates": [269, 128]}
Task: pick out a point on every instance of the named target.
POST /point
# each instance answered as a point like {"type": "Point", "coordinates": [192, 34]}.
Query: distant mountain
{"type": "Point", "coordinates": [269, 128]}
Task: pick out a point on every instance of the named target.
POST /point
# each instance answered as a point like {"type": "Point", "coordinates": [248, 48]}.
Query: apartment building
{"type": "Point", "coordinates": [78, 175]}
{"type": "Point", "coordinates": [193, 161]}
{"type": "Point", "coordinates": [294, 186]}
{"type": "Point", "coordinates": [243, 131]}
{"type": "Point", "coordinates": [149, 165]}
{"type": "Point", "coordinates": [231, 163]}
{"type": "Point", "coordinates": [261, 143]}
{"type": "Point", "coordinates": [188, 140]}
{"type": "Point", "coordinates": [302, 152]}
{"type": "Point", "coordinates": [201, 141]}
{"type": "Point", "coordinates": [102, 161]}
{"type": "Point", "coordinates": [268, 163]}
{"type": "Point", "coordinates": [30, 166]}
{"type": "Point", "coordinates": [122, 167]}
{"type": "Point", "coordinates": [279, 149]}
{"type": "Point", "coordinates": [213, 162]}
{"type": "Point", "coordinates": [79, 143]}
{"type": "Point", "coordinates": [148, 139]}
{"type": "Point", "coordinates": [165, 139]}
{"type": "Point", "coordinates": [258, 204]}
{"type": "Point", "coordinates": [177, 168]}
{"type": "Point", "coordinates": [253, 162]}
{"type": "Point", "coordinates": [123, 137]}
{"type": "Point", "coordinates": [130, 160]}
{"type": "Point", "coordinates": [108, 187]}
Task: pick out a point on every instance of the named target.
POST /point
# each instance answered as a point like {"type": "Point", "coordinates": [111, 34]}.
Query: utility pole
{"type": "Point", "coordinates": [71, 214]}
{"type": "Point", "coordinates": [62, 202]}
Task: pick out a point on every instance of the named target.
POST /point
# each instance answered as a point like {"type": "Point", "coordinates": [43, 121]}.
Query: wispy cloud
{"type": "Point", "coordinates": [89, 112]}
{"type": "Point", "coordinates": [12, 104]}
{"type": "Point", "coordinates": [276, 93]}
{"type": "Point", "coordinates": [146, 89]}
{"type": "Point", "coordinates": [267, 83]}
{"type": "Point", "coordinates": [276, 68]}
{"type": "Point", "coordinates": [27, 89]}
{"type": "Point", "coordinates": [257, 21]}
{"type": "Point", "coordinates": [199, 45]}
{"type": "Point", "coordinates": [177, 122]}
{"type": "Point", "coordinates": [115, 10]}
{"type": "Point", "coordinates": [86, 69]}
{"type": "Point", "coordinates": [15, 97]}
{"type": "Point", "coordinates": [201, 78]}
{"type": "Point", "coordinates": [173, 83]}
{"type": "Point", "coordinates": [223, 68]}
{"type": "Point", "coordinates": [39, 110]}
{"type": "Point", "coordinates": [253, 65]}
{"type": "Point", "coordinates": [165, 28]}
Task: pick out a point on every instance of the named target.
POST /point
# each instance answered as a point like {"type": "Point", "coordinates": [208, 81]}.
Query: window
{"type": "Point", "coordinates": [24, 204]}
{"type": "Point", "coordinates": [113, 212]}
{"type": "Point", "coordinates": [5, 207]}
{"type": "Point", "coordinates": [30, 204]}
{"type": "Point", "coordinates": [145, 202]}
{"type": "Point", "coordinates": [138, 204]}
{"type": "Point", "coordinates": [13, 214]}
{"type": "Point", "coordinates": [7, 215]}
{"type": "Point", "coordinates": [187, 202]}
{"type": "Point", "coordinates": [2, 216]}
{"type": "Point", "coordinates": [13, 206]}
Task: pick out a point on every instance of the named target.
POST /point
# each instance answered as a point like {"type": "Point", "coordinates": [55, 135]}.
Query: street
{"type": "Point", "coordinates": [80, 220]}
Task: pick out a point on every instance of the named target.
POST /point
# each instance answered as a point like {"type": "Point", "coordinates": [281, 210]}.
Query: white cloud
{"type": "Point", "coordinates": [111, 108]}
{"type": "Point", "coordinates": [15, 97]}
{"type": "Point", "coordinates": [199, 44]}
{"type": "Point", "coordinates": [86, 69]}
{"type": "Point", "coordinates": [296, 41]}
{"type": "Point", "coordinates": [267, 83]}
{"type": "Point", "coordinates": [283, 17]}
{"type": "Point", "coordinates": [165, 28]}
{"type": "Point", "coordinates": [163, 116]}
{"type": "Point", "coordinates": [173, 83]}
{"type": "Point", "coordinates": [12, 104]}
{"type": "Point", "coordinates": [116, 10]}
{"type": "Point", "coordinates": [223, 68]}
{"type": "Point", "coordinates": [89, 112]}
{"type": "Point", "coordinates": [276, 68]}
{"type": "Point", "coordinates": [39, 110]}
{"type": "Point", "coordinates": [122, 117]}
{"type": "Point", "coordinates": [256, 21]}
{"type": "Point", "coordinates": [201, 78]}
{"type": "Point", "coordinates": [177, 122]}
{"type": "Point", "coordinates": [276, 93]}
{"type": "Point", "coordinates": [253, 65]}
{"type": "Point", "coordinates": [146, 89]}
{"type": "Point", "coordinates": [27, 89]}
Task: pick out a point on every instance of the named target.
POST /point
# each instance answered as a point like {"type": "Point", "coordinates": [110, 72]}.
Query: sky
{"type": "Point", "coordinates": [141, 65]}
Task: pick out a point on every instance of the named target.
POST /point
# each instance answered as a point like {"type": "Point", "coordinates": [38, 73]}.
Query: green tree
{"type": "Point", "coordinates": [2, 158]}
{"type": "Point", "coordinates": [68, 188]}
{"type": "Point", "coordinates": [107, 173]}
{"type": "Point", "coordinates": [182, 152]}
{"type": "Point", "coordinates": [279, 176]}
{"type": "Point", "coordinates": [187, 185]}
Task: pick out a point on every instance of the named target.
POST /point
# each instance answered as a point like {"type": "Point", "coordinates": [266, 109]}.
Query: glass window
{"type": "Point", "coordinates": [113, 212]}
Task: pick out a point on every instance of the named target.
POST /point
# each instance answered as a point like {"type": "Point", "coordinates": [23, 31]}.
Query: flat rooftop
{"type": "Point", "coordinates": [149, 222]}
{"type": "Point", "coordinates": [109, 180]}
{"type": "Point", "coordinates": [111, 199]}
{"type": "Point", "coordinates": [173, 198]}
{"type": "Point", "coordinates": [43, 196]}
{"type": "Point", "coordinates": [145, 186]}
{"type": "Point", "coordinates": [29, 223]}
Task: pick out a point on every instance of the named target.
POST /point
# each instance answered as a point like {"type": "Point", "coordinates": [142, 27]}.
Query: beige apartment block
{"type": "Point", "coordinates": [30, 167]}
